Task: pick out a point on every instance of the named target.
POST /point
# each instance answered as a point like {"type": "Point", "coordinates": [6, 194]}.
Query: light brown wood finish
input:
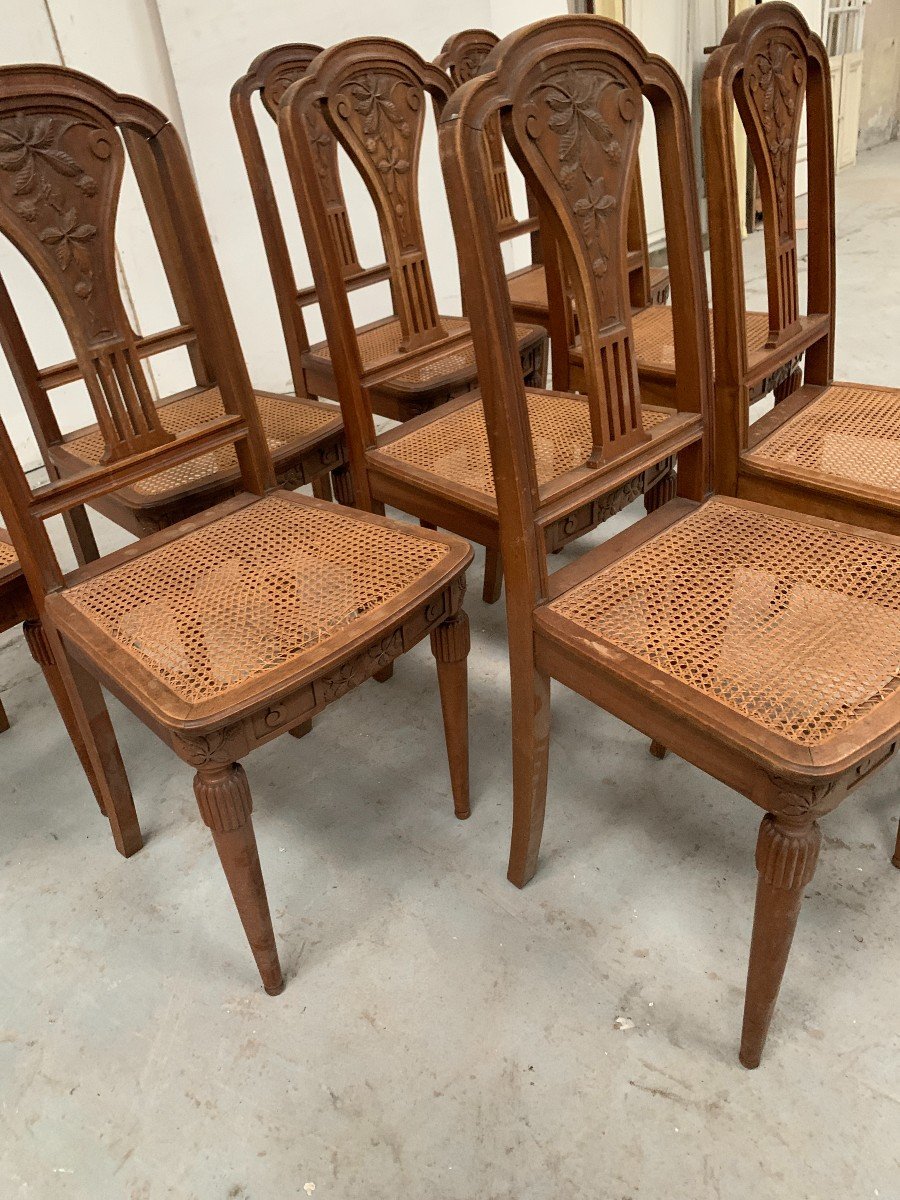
{"type": "Point", "coordinates": [244, 621]}
{"type": "Point", "coordinates": [461, 57]}
{"type": "Point", "coordinates": [307, 438]}
{"type": "Point", "coordinates": [696, 625]}
{"type": "Point", "coordinates": [404, 383]}
{"type": "Point", "coordinates": [830, 449]}
{"type": "Point", "coordinates": [435, 466]}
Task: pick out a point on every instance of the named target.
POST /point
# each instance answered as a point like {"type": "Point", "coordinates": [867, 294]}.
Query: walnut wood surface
{"type": "Point", "coordinates": [569, 96]}
{"type": "Point", "coordinates": [69, 125]}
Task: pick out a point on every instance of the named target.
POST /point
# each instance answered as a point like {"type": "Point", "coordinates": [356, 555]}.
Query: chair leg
{"type": "Point", "coordinates": [788, 386]}
{"type": "Point", "coordinates": [658, 750]}
{"type": "Point", "coordinates": [493, 576]}
{"type": "Point", "coordinates": [342, 483]}
{"type": "Point", "coordinates": [786, 856]}
{"type": "Point", "coordinates": [78, 527]}
{"type": "Point", "coordinates": [531, 741]}
{"type": "Point", "coordinates": [450, 646]}
{"type": "Point", "coordinates": [79, 699]}
{"type": "Point", "coordinates": [4, 719]}
{"type": "Point", "coordinates": [300, 731]}
{"type": "Point", "coordinates": [321, 487]}
{"type": "Point", "coordinates": [661, 493]}
{"type": "Point", "coordinates": [223, 797]}
{"type": "Point", "coordinates": [896, 859]}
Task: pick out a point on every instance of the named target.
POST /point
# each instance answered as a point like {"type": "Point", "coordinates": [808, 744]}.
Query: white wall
{"type": "Point", "coordinates": [206, 63]}
{"type": "Point", "coordinates": [123, 46]}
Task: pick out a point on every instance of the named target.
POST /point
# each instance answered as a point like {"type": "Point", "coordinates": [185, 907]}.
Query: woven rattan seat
{"type": "Point", "coordinates": [252, 592]}
{"type": "Point", "coordinates": [380, 344]}
{"type": "Point", "coordinates": [654, 338]}
{"type": "Point", "coordinates": [7, 554]}
{"type": "Point", "coordinates": [288, 422]}
{"type": "Point", "coordinates": [850, 431]}
{"type": "Point", "coordinates": [455, 446]}
{"type": "Point", "coordinates": [792, 625]}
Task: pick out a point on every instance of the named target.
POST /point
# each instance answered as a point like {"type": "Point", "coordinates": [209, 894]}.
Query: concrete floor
{"type": "Point", "coordinates": [444, 1036]}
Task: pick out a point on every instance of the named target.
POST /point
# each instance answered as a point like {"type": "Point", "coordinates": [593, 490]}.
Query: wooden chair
{"type": "Point", "coordinates": [436, 466]}
{"type": "Point", "coordinates": [758, 644]}
{"type": "Point", "coordinates": [17, 607]}
{"type": "Point", "coordinates": [414, 360]}
{"type": "Point", "coordinates": [242, 623]}
{"type": "Point", "coordinates": [305, 438]}
{"type": "Point", "coordinates": [831, 449]}
{"type": "Point", "coordinates": [461, 57]}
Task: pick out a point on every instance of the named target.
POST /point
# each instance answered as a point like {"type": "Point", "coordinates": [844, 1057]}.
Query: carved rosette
{"type": "Point", "coordinates": [354, 672]}
{"type": "Point", "coordinates": [786, 854]}
{"type": "Point", "coordinates": [223, 797]}
{"type": "Point", "coordinates": [450, 641]}
{"type": "Point", "coordinates": [222, 746]}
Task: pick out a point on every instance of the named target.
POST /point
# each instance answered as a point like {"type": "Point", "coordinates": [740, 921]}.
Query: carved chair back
{"type": "Point", "coordinates": [773, 68]}
{"type": "Point", "coordinates": [269, 76]}
{"type": "Point", "coordinates": [461, 57]}
{"type": "Point", "coordinates": [371, 93]}
{"type": "Point", "coordinates": [64, 138]}
{"type": "Point", "coordinates": [568, 92]}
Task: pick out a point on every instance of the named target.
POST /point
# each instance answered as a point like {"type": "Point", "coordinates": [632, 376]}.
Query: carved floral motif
{"type": "Point", "coordinates": [357, 670]}
{"type": "Point", "coordinates": [49, 185]}
{"type": "Point", "coordinates": [587, 112]}
{"type": "Point", "coordinates": [777, 84]}
{"type": "Point", "coordinates": [386, 136]}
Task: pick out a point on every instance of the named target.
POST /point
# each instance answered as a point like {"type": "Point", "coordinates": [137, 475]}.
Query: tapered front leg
{"type": "Point", "coordinates": [79, 699]}
{"type": "Point", "coordinates": [788, 386]}
{"type": "Point", "coordinates": [223, 797]}
{"type": "Point", "coordinates": [896, 859]}
{"type": "Point", "coordinates": [661, 493]}
{"type": "Point", "coordinates": [658, 750]}
{"type": "Point", "coordinates": [450, 644]}
{"type": "Point", "coordinates": [786, 854]}
{"type": "Point", "coordinates": [342, 483]}
{"type": "Point", "coordinates": [321, 487]}
{"type": "Point", "coordinates": [493, 576]}
{"type": "Point", "coordinates": [531, 740]}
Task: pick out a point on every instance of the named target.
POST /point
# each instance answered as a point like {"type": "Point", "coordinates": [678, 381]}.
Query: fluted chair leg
{"type": "Point", "coordinates": [786, 856]}
{"type": "Point", "coordinates": [450, 644]}
{"type": "Point", "coordinates": [223, 797]}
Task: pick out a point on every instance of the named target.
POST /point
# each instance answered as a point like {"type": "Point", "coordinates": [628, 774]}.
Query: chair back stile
{"type": "Point", "coordinates": [772, 67]}
{"type": "Point", "coordinates": [269, 76]}
{"type": "Point", "coordinates": [568, 92]}
{"type": "Point", "coordinates": [461, 57]}
{"type": "Point", "coordinates": [370, 95]}
{"type": "Point", "coordinates": [61, 138]}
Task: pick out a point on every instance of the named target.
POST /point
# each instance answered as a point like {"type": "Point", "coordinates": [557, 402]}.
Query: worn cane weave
{"type": "Point", "coordinates": [794, 626]}
{"type": "Point", "coordinates": [284, 421]}
{"type": "Point", "coordinates": [380, 345]}
{"type": "Point", "coordinates": [250, 592]}
{"type": "Point", "coordinates": [456, 446]}
{"type": "Point", "coordinates": [850, 431]}
{"type": "Point", "coordinates": [7, 554]}
{"type": "Point", "coordinates": [654, 337]}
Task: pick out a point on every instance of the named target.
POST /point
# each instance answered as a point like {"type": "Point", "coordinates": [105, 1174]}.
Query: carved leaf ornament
{"type": "Point", "coordinates": [47, 184]}
{"type": "Point", "coordinates": [777, 81]}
